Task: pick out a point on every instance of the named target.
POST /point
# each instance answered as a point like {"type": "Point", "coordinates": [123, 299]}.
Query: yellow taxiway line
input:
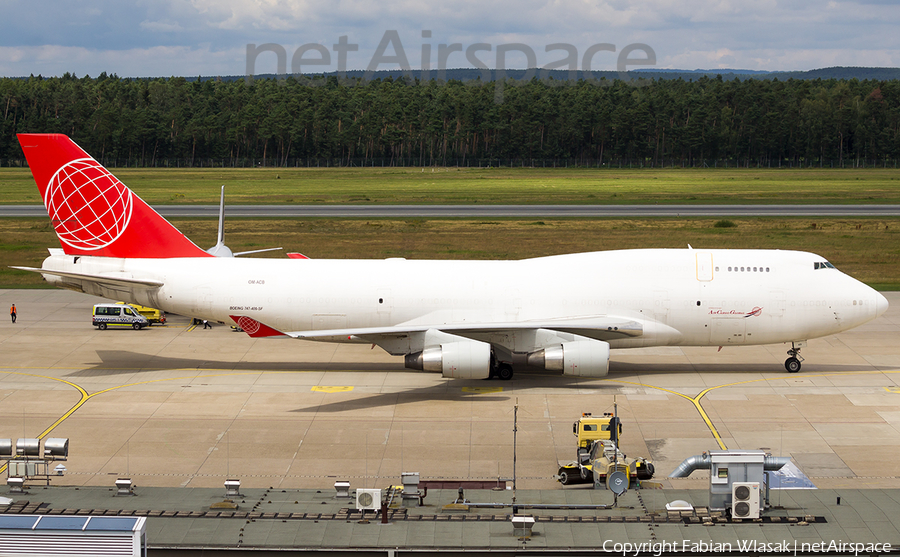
{"type": "Point", "coordinates": [695, 400]}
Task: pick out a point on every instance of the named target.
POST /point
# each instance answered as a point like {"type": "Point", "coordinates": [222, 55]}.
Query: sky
{"type": "Point", "coordinates": [162, 38]}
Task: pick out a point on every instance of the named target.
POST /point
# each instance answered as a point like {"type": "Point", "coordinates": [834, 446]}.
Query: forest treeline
{"type": "Point", "coordinates": [169, 122]}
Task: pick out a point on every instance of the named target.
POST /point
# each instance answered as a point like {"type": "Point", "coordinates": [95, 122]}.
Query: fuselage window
{"type": "Point", "coordinates": [742, 269]}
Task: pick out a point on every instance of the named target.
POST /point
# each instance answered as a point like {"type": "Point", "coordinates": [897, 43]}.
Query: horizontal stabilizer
{"type": "Point", "coordinates": [254, 328]}
{"type": "Point", "coordinates": [114, 282]}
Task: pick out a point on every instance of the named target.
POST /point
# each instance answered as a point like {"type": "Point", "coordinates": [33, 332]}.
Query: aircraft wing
{"type": "Point", "coordinates": [110, 281]}
{"type": "Point", "coordinates": [600, 327]}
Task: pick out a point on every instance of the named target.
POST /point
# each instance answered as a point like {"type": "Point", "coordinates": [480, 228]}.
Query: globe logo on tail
{"type": "Point", "coordinates": [88, 206]}
{"type": "Point", "coordinates": [250, 325]}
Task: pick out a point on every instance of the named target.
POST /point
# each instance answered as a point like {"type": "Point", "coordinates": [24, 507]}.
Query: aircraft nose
{"type": "Point", "coordinates": [881, 304]}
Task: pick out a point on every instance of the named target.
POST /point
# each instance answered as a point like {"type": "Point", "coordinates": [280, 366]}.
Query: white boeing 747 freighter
{"type": "Point", "coordinates": [464, 319]}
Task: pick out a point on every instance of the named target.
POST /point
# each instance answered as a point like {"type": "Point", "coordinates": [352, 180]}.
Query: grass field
{"type": "Point", "coordinates": [491, 186]}
{"type": "Point", "coordinates": [868, 249]}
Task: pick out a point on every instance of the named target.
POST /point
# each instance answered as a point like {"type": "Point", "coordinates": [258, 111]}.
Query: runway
{"type": "Point", "coordinates": [181, 406]}
{"type": "Point", "coordinates": [522, 211]}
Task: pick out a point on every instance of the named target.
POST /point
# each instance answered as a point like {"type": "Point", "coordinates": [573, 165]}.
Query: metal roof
{"type": "Point", "coordinates": [78, 523]}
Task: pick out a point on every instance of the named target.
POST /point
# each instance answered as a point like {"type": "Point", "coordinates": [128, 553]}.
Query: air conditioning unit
{"type": "Point", "coordinates": [368, 499]}
{"type": "Point", "coordinates": [745, 500]}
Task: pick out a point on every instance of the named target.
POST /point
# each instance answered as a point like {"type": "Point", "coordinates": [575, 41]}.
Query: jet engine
{"type": "Point", "coordinates": [463, 359]}
{"type": "Point", "coordinates": [584, 358]}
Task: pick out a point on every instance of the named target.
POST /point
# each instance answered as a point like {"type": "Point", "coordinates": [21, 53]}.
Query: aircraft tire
{"type": "Point", "coordinates": [505, 372]}
{"type": "Point", "coordinates": [792, 365]}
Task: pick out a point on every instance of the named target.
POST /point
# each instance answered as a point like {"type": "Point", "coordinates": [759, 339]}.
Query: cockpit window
{"type": "Point", "coordinates": [822, 265]}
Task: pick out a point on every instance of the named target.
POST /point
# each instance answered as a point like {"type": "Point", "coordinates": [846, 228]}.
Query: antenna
{"type": "Point", "coordinates": [515, 432]}
{"type": "Point", "coordinates": [220, 249]}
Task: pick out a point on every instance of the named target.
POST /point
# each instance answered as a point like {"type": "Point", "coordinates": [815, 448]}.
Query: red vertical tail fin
{"type": "Point", "coordinates": [94, 213]}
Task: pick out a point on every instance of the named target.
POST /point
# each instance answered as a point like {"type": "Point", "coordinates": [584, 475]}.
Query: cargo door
{"type": "Point", "coordinates": [203, 299]}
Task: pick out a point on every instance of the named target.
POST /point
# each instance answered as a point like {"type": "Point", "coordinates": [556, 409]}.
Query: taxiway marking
{"type": "Point", "coordinates": [695, 400]}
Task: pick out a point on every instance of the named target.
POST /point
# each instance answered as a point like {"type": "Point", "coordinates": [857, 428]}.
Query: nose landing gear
{"type": "Point", "coordinates": [792, 364]}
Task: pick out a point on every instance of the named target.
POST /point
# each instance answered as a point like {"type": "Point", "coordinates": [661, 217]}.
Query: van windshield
{"type": "Point", "coordinates": [128, 312]}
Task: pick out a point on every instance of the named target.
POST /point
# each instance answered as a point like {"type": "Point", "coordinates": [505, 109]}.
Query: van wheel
{"type": "Point", "coordinates": [102, 326]}
{"type": "Point", "coordinates": [136, 326]}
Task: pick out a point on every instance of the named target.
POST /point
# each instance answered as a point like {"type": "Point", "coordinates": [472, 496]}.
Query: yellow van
{"type": "Point", "coordinates": [153, 315]}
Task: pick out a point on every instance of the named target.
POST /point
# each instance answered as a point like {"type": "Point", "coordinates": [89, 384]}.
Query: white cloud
{"type": "Point", "coordinates": [161, 26]}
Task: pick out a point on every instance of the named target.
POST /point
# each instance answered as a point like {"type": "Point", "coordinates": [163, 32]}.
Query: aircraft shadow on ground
{"type": "Point", "coordinates": [121, 362]}
{"type": "Point", "coordinates": [660, 369]}
{"type": "Point", "coordinates": [468, 390]}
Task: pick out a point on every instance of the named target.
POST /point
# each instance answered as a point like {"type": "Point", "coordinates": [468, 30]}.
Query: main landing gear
{"type": "Point", "coordinates": [502, 370]}
{"type": "Point", "coordinates": [792, 364]}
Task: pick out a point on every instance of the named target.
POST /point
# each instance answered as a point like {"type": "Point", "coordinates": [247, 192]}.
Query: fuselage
{"type": "Point", "coordinates": [680, 296]}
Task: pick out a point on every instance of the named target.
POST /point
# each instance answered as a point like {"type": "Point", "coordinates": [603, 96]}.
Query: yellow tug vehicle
{"type": "Point", "coordinates": [598, 458]}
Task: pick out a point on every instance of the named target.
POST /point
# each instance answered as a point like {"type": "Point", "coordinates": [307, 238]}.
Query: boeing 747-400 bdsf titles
{"type": "Point", "coordinates": [465, 319]}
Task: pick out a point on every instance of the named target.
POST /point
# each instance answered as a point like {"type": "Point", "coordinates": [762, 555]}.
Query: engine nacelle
{"type": "Point", "coordinates": [464, 359]}
{"type": "Point", "coordinates": [584, 358]}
